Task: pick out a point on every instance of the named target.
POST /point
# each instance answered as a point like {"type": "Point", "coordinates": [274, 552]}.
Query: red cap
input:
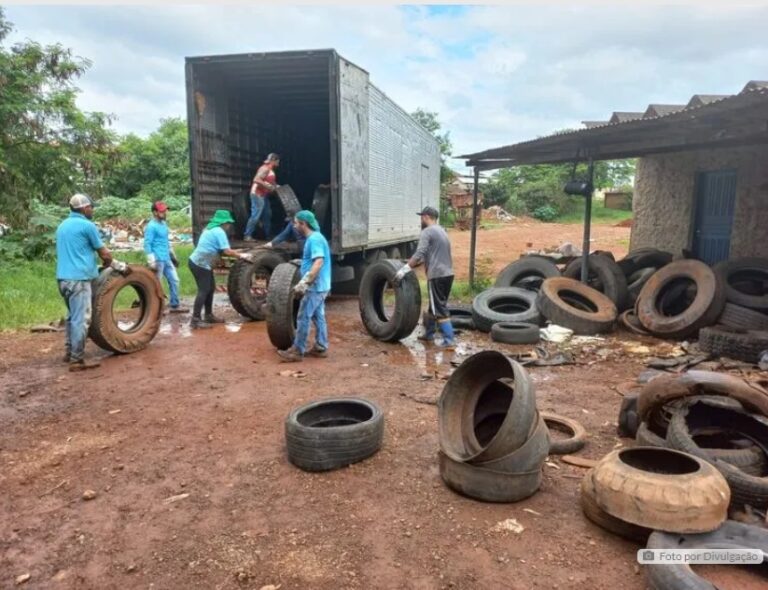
{"type": "Point", "coordinates": [160, 207]}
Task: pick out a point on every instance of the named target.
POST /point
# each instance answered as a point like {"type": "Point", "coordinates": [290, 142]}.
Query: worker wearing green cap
{"type": "Point", "coordinates": [213, 243]}
{"type": "Point", "coordinates": [314, 286]}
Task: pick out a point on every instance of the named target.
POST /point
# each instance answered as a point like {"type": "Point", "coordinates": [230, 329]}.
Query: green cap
{"type": "Point", "coordinates": [220, 217]}
{"type": "Point", "coordinates": [309, 218]}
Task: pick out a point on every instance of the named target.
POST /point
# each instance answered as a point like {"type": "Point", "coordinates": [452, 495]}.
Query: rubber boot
{"type": "Point", "coordinates": [446, 329]}
{"type": "Point", "coordinates": [430, 325]}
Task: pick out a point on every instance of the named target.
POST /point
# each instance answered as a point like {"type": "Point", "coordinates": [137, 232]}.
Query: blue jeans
{"type": "Point", "coordinates": [167, 270]}
{"type": "Point", "coordinates": [311, 308]}
{"type": "Point", "coordinates": [77, 295]}
{"type": "Point", "coordinates": [260, 210]}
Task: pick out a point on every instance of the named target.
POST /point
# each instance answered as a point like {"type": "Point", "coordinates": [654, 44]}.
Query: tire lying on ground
{"type": "Point", "coordinates": [742, 346]}
{"type": "Point", "coordinates": [108, 331]}
{"type": "Point", "coordinates": [569, 303]}
{"type": "Point", "coordinates": [644, 258]}
{"type": "Point", "coordinates": [283, 305]}
{"type": "Point", "coordinates": [645, 437]}
{"type": "Point", "coordinates": [680, 576]}
{"type": "Point", "coordinates": [531, 455]}
{"type": "Point", "coordinates": [333, 433]}
{"type": "Point", "coordinates": [504, 304]}
{"type": "Point", "coordinates": [527, 267]}
{"type": "Point", "coordinates": [461, 317]}
{"type": "Point", "coordinates": [604, 276]}
{"type": "Point", "coordinates": [635, 283]}
{"type": "Point", "coordinates": [247, 299]}
{"type": "Point", "coordinates": [628, 422]}
{"type": "Point", "coordinates": [629, 320]}
{"type": "Point", "coordinates": [604, 520]}
{"type": "Point", "coordinates": [577, 434]}
{"type": "Point", "coordinates": [487, 485]}
{"type": "Point", "coordinates": [661, 489]}
{"type": "Point", "coordinates": [737, 317]}
{"type": "Point", "coordinates": [741, 274]}
{"type": "Point", "coordinates": [400, 322]}
{"type": "Point", "coordinates": [515, 333]}
{"type": "Point", "coordinates": [706, 307]}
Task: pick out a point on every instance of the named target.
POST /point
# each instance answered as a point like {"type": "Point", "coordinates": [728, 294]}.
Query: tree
{"type": "Point", "coordinates": [431, 123]}
{"type": "Point", "coordinates": [49, 148]}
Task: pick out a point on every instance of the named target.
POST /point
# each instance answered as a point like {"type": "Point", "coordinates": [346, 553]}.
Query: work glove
{"type": "Point", "coordinates": [246, 257]}
{"type": "Point", "coordinates": [152, 261]}
{"type": "Point", "coordinates": [268, 245]}
{"type": "Point", "coordinates": [121, 267]}
{"type": "Point", "coordinates": [400, 274]}
{"type": "Point", "coordinates": [302, 286]}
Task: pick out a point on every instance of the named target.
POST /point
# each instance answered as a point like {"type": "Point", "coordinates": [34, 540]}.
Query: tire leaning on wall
{"type": "Point", "coordinates": [104, 329]}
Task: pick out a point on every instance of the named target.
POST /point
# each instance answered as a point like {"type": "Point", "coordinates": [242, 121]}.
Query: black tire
{"type": "Point", "coordinates": [737, 317]}
{"type": "Point", "coordinates": [351, 287]}
{"type": "Point", "coordinates": [246, 300]}
{"type": "Point", "coordinates": [525, 268]}
{"type": "Point", "coordinates": [644, 258]}
{"type": "Point", "coordinates": [282, 305]}
{"type": "Point", "coordinates": [461, 317]}
{"type": "Point", "coordinates": [645, 437]}
{"type": "Point", "coordinates": [604, 276]}
{"type": "Point", "coordinates": [577, 434]}
{"type": "Point", "coordinates": [241, 210]}
{"type": "Point", "coordinates": [529, 457]}
{"type": "Point", "coordinates": [288, 198]}
{"type": "Point", "coordinates": [604, 520]}
{"type": "Point", "coordinates": [515, 333]}
{"type": "Point", "coordinates": [504, 304]}
{"type": "Point", "coordinates": [321, 203]}
{"type": "Point", "coordinates": [731, 535]}
{"type": "Point", "coordinates": [569, 303]}
{"type": "Point", "coordinates": [486, 485]}
{"type": "Point", "coordinates": [628, 420]}
{"type": "Point", "coordinates": [746, 489]}
{"type": "Point", "coordinates": [105, 330]}
{"type": "Point", "coordinates": [732, 272]}
{"type": "Point", "coordinates": [743, 346]}
{"type": "Point", "coordinates": [333, 433]}
{"type": "Point", "coordinates": [636, 281]}
{"type": "Point", "coordinates": [405, 315]}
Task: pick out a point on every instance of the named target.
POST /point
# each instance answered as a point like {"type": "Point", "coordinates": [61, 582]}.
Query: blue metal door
{"type": "Point", "coordinates": [715, 200]}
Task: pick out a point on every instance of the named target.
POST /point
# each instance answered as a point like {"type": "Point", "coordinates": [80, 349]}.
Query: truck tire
{"type": "Point", "coordinates": [407, 310]}
{"type": "Point", "coordinates": [321, 203]}
{"type": "Point", "coordinates": [333, 433]}
{"type": "Point", "coordinates": [461, 317]}
{"type": "Point", "coordinates": [487, 485]}
{"type": "Point", "coordinates": [577, 434]}
{"type": "Point", "coordinates": [733, 272]}
{"type": "Point", "coordinates": [504, 304]}
{"type": "Point", "coordinates": [528, 457]}
{"type": "Point", "coordinates": [644, 258]}
{"type": "Point", "coordinates": [282, 305]}
{"type": "Point", "coordinates": [288, 198]}
{"type": "Point", "coordinates": [636, 282]}
{"type": "Point", "coordinates": [742, 346]}
{"type": "Point", "coordinates": [604, 276]}
{"type": "Point", "coordinates": [515, 333]}
{"type": "Point", "coordinates": [629, 320]}
{"type": "Point", "coordinates": [737, 317]}
{"type": "Point", "coordinates": [245, 299]}
{"type": "Point", "coordinates": [703, 311]}
{"type": "Point", "coordinates": [604, 520]}
{"type": "Point", "coordinates": [105, 330]}
{"type": "Point", "coordinates": [645, 437]}
{"type": "Point", "coordinates": [241, 210]}
{"type": "Point", "coordinates": [569, 303]}
{"type": "Point", "coordinates": [628, 422]}
{"type": "Point", "coordinates": [524, 268]}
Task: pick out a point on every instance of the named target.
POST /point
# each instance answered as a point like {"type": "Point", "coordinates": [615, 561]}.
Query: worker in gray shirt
{"type": "Point", "coordinates": [434, 252]}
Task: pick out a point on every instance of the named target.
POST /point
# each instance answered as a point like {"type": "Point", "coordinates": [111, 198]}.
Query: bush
{"type": "Point", "coordinates": [545, 213]}
{"type": "Point", "coordinates": [515, 206]}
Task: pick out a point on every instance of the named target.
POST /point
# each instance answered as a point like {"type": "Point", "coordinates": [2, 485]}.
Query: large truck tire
{"type": "Point", "coordinates": [407, 304]}
{"type": "Point", "coordinates": [737, 317]}
{"type": "Point", "coordinates": [604, 276]}
{"type": "Point", "coordinates": [572, 304]}
{"type": "Point", "coordinates": [249, 300]}
{"type": "Point", "coordinates": [644, 258]}
{"type": "Point", "coordinates": [504, 304]}
{"type": "Point", "coordinates": [742, 346]}
{"type": "Point", "coordinates": [604, 520]}
{"type": "Point", "coordinates": [105, 330]}
{"type": "Point", "coordinates": [283, 305]}
{"type": "Point", "coordinates": [527, 267]}
{"type": "Point", "coordinates": [745, 281]}
{"type": "Point", "coordinates": [241, 209]}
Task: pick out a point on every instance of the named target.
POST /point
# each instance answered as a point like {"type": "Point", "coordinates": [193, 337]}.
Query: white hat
{"type": "Point", "coordinates": [80, 201]}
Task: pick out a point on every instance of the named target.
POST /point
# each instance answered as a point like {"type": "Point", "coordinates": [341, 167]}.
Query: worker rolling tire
{"type": "Point", "coordinates": [604, 276]}
{"type": "Point", "coordinates": [577, 434]}
{"type": "Point", "coordinates": [735, 273]}
{"type": "Point", "coordinates": [283, 304]}
{"type": "Point", "coordinates": [504, 304]}
{"type": "Point", "coordinates": [461, 317]}
{"type": "Point", "coordinates": [604, 520]}
{"type": "Point", "coordinates": [333, 433]}
{"type": "Point", "coordinates": [569, 303]}
{"type": "Point", "coordinates": [515, 333]}
{"type": "Point", "coordinates": [104, 329]}
{"type": "Point", "coordinates": [242, 296]}
{"type": "Point", "coordinates": [488, 485]}
{"type": "Point", "coordinates": [738, 317]}
{"type": "Point", "coordinates": [407, 302]}
{"type": "Point", "coordinates": [742, 346]}
{"type": "Point", "coordinates": [525, 268]}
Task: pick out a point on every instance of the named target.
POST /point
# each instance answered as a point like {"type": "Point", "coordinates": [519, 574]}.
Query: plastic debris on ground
{"type": "Point", "coordinates": [556, 334]}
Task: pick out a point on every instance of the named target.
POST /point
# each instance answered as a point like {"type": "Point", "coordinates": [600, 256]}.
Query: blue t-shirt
{"type": "Point", "coordinates": [77, 238]}
{"type": "Point", "coordinates": [156, 240]}
{"type": "Point", "coordinates": [316, 246]}
{"type": "Point", "coordinates": [212, 242]}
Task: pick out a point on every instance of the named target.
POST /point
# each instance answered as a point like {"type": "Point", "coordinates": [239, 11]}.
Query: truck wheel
{"type": "Point", "coordinates": [393, 253]}
{"type": "Point", "coordinates": [389, 312]}
{"type": "Point", "coordinates": [247, 282]}
{"type": "Point", "coordinates": [282, 305]}
{"type": "Point", "coordinates": [118, 335]}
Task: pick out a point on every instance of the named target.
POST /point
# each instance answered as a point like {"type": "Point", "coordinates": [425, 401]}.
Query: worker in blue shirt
{"type": "Point", "coordinates": [77, 238]}
{"type": "Point", "coordinates": [288, 234]}
{"type": "Point", "coordinates": [160, 255]}
{"type": "Point", "coordinates": [314, 286]}
{"type": "Point", "coordinates": [213, 243]}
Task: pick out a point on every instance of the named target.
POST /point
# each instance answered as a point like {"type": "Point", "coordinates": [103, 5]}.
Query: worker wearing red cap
{"type": "Point", "coordinates": [160, 255]}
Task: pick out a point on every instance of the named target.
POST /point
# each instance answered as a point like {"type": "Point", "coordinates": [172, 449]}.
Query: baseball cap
{"type": "Point", "coordinates": [431, 211]}
{"type": "Point", "coordinates": [309, 218]}
{"type": "Point", "coordinates": [272, 157]}
{"type": "Point", "coordinates": [80, 201]}
{"type": "Point", "coordinates": [159, 206]}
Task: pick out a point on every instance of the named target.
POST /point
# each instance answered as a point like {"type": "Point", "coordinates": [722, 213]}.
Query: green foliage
{"type": "Point", "coordinates": [494, 194]}
{"type": "Point", "coordinates": [545, 213]}
{"type": "Point", "coordinates": [514, 206]}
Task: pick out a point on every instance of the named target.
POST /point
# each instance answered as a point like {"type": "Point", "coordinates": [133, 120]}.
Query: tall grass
{"type": "Point", "coordinates": [599, 213]}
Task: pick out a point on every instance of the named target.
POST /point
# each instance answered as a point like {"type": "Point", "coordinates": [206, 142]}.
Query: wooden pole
{"type": "Point", "coordinates": [587, 223]}
{"type": "Point", "coordinates": [473, 236]}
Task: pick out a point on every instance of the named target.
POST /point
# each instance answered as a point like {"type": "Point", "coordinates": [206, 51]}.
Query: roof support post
{"type": "Point", "coordinates": [587, 222]}
{"type": "Point", "coordinates": [473, 236]}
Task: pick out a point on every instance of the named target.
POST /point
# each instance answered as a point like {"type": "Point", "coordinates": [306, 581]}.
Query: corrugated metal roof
{"type": "Point", "coordinates": [755, 84]}
{"type": "Point", "coordinates": [590, 124]}
{"type": "Point", "coordinates": [622, 116]}
{"type": "Point", "coordinates": [699, 100]}
{"type": "Point", "coordinates": [659, 110]}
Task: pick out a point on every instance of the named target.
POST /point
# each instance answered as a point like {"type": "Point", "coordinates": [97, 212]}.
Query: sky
{"type": "Point", "coordinates": [496, 75]}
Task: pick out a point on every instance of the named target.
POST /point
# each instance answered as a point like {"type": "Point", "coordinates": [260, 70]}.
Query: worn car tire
{"type": "Point", "coordinates": [629, 320]}
{"type": "Point", "coordinates": [487, 485]}
{"type": "Point", "coordinates": [628, 422]}
{"type": "Point", "coordinates": [282, 305]}
{"type": "Point", "coordinates": [515, 333]}
{"type": "Point", "coordinates": [644, 258]}
{"type": "Point", "coordinates": [737, 317]}
{"type": "Point", "coordinates": [321, 202]}
{"type": "Point", "coordinates": [240, 282]}
{"type": "Point", "coordinates": [680, 576]}
{"type": "Point", "coordinates": [732, 271]}
{"type": "Point", "coordinates": [105, 330]}
{"type": "Point", "coordinates": [604, 276]}
{"type": "Point", "coordinates": [635, 284]}
{"type": "Point", "coordinates": [461, 317]}
{"type": "Point", "coordinates": [604, 520]}
{"type": "Point", "coordinates": [577, 434]}
{"type": "Point", "coordinates": [746, 489]}
{"type": "Point", "coordinates": [504, 304]}
{"type": "Point", "coordinates": [742, 346]}
{"type": "Point", "coordinates": [528, 457]}
{"type": "Point", "coordinates": [569, 303]}
{"type": "Point", "coordinates": [333, 433]}
{"type": "Point", "coordinates": [407, 294]}
{"type": "Point", "coordinates": [525, 268]}
{"type": "Point", "coordinates": [661, 489]}
{"type": "Point", "coordinates": [645, 437]}
{"type": "Point", "coordinates": [703, 311]}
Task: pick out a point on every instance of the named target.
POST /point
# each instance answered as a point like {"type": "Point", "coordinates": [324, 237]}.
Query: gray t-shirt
{"type": "Point", "coordinates": [434, 250]}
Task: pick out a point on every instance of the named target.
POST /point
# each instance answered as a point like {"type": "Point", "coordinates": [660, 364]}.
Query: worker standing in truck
{"type": "Point", "coordinates": [264, 183]}
{"type": "Point", "coordinates": [434, 252]}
